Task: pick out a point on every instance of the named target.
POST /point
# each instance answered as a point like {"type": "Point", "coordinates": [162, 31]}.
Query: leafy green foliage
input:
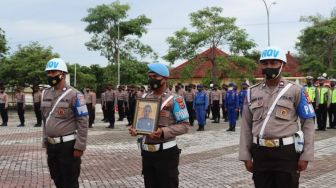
{"type": "Point", "coordinates": [211, 30]}
{"type": "Point", "coordinates": [104, 21]}
{"type": "Point", "coordinates": [3, 44]}
{"type": "Point", "coordinates": [317, 45]}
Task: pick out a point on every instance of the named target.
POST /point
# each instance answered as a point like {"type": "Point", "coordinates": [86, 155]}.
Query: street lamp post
{"type": "Point", "coordinates": [268, 25]}
{"type": "Point", "coordinates": [118, 59]}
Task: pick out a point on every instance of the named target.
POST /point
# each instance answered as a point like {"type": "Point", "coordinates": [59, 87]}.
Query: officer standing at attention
{"type": "Point", "coordinates": [90, 98]}
{"type": "Point", "coordinates": [20, 105]}
{"type": "Point", "coordinates": [215, 102]}
{"type": "Point", "coordinates": [332, 108]}
{"type": "Point", "coordinates": [322, 104]}
{"type": "Point", "coordinates": [160, 154]}
{"type": "Point", "coordinates": [110, 103]}
{"type": "Point", "coordinates": [311, 90]}
{"type": "Point", "coordinates": [37, 105]}
{"type": "Point", "coordinates": [121, 100]}
{"type": "Point", "coordinates": [242, 96]}
{"type": "Point", "coordinates": [271, 145]}
{"type": "Point", "coordinates": [189, 96]}
{"type": "Point", "coordinates": [224, 90]}
{"type": "Point", "coordinates": [3, 106]}
{"type": "Point", "coordinates": [232, 106]}
{"type": "Point", "coordinates": [201, 103]}
{"type": "Point", "coordinates": [65, 126]}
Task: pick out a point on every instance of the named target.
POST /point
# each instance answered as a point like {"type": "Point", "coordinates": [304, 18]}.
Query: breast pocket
{"type": "Point", "coordinates": [257, 109]}
{"type": "Point", "coordinates": [62, 110]}
{"type": "Point", "coordinates": [45, 107]}
{"type": "Point", "coordinates": [283, 109]}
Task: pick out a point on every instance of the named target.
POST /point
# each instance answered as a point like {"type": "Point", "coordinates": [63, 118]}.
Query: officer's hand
{"type": "Point", "coordinates": [249, 165]}
{"type": "Point", "coordinates": [156, 135]}
{"type": "Point", "coordinates": [302, 165]}
{"type": "Point", "coordinates": [132, 131]}
{"type": "Point", "coordinates": [77, 153]}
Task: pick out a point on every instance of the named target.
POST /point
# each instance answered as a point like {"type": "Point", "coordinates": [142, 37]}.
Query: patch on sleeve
{"type": "Point", "coordinates": [80, 108]}
{"type": "Point", "coordinates": [305, 109]}
{"type": "Point", "coordinates": [179, 109]}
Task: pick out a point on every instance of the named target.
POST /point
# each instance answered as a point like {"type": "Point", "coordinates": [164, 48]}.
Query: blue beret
{"type": "Point", "coordinates": [231, 84]}
{"type": "Point", "coordinates": [159, 69]}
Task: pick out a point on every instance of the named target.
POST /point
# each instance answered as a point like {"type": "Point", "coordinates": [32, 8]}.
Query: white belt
{"type": "Point", "coordinates": [61, 139]}
{"type": "Point", "coordinates": [271, 143]}
{"type": "Point", "coordinates": [156, 147]}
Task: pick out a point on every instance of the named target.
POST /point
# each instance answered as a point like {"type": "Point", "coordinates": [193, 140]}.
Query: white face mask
{"type": "Point", "coordinates": [230, 88]}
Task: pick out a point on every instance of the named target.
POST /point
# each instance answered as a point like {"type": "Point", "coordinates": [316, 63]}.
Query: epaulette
{"type": "Point", "coordinates": [294, 83]}
{"type": "Point", "coordinates": [255, 85]}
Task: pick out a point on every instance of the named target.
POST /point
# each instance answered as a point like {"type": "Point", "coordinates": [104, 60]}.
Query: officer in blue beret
{"type": "Point", "coordinates": [159, 151]}
{"type": "Point", "coordinates": [201, 103]}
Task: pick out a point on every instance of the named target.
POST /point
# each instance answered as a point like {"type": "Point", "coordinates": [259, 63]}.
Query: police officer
{"type": "Point", "coordinates": [201, 103]}
{"type": "Point", "coordinates": [311, 90]}
{"type": "Point", "coordinates": [103, 103]}
{"type": "Point", "coordinates": [206, 90]}
{"type": "Point", "coordinates": [121, 99]}
{"type": "Point", "coordinates": [111, 104]}
{"type": "Point", "coordinates": [160, 154]}
{"type": "Point", "coordinates": [65, 126]}
{"type": "Point", "coordinates": [3, 106]}
{"type": "Point", "coordinates": [189, 96]}
{"type": "Point", "coordinates": [224, 90]}
{"type": "Point", "coordinates": [232, 106]}
{"type": "Point", "coordinates": [132, 96]}
{"type": "Point", "coordinates": [267, 140]}
{"type": "Point", "coordinates": [20, 105]}
{"type": "Point", "coordinates": [90, 98]}
{"type": "Point", "coordinates": [242, 96]}
{"type": "Point", "coordinates": [215, 102]}
{"type": "Point", "coordinates": [332, 108]}
{"type": "Point", "coordinates": [37, 105]}
{"type": "Point", "coordinates": [322, 104]}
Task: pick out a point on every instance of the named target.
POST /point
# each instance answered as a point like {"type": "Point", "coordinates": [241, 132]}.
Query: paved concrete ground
{"type": "Point", "coordinates": [209, 158]}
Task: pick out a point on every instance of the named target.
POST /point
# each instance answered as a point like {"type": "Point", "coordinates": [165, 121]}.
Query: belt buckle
{"type": "Point", "coordinates": [270, 143]}
{"type": "Point", "coordinates": [151, 148]}
{"type": "Point", "coordinates": [51, 140]}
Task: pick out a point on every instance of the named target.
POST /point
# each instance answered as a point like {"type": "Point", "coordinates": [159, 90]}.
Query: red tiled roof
{"type": "Point", "coordinates": [201, 69]}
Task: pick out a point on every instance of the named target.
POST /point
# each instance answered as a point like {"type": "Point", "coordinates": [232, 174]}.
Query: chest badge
{"type": "Point", "coordinates": [284, 112]}
{"type": "Point", "coordinates": [61, 111]}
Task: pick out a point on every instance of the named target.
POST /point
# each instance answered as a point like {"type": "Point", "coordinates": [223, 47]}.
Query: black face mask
{"type": "Point", "coordinates": [154, 83]}
{"type": "Point", "coordinates": [321, 84]}
{"type": "Point", "coordinates": [53, 81]}
{"type": "Point", "coordinates": [271, 73]}
{"type": "Point", "coordinates": [332, 85]}
{"type": "Point", "coordinates": [1, 91]}
{"type": "Point", "coordinates": [88, 91]}
{"type": "Point", "coordinates": [309, 84]}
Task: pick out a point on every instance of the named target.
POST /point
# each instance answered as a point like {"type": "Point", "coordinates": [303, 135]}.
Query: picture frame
{"type": "Point", "coordinates": [146, 115]}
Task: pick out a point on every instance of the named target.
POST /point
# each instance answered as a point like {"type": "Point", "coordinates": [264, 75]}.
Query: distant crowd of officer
{"type": "Point", "coordinates": [323, 95]}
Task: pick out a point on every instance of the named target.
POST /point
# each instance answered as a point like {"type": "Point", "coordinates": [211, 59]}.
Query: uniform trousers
{"type": "Point", "coordinates": [131, 112]}
{"type": "Point", "coordinates": [63, 166]}
{"type": "Point", "coordinates": [332, 115]}
{"type": "Point", "coordinates": [275, 167]}
{"type": "Point", "coordinates": [215, 110]}
{"type": "Point", "coordinates": [160, 169]}
{"type": "Point", "coordinates": [104, 112]}
{"type": "Point", "coordinates": [121, 110]}
{"type": "Point", "coordinates": [110, 112]}
{"type": "Point", "coordinates": [20, 112]}
{"type": "Point", "coordinates": [232, 115]}
{"type": "Point", "coordinates": [4, 113]}
{"type": "Point", "coordinates": [191, 112]}
{"type": "Point", "coordinates": [91, 112]}
{"type": "Point", "coordinates": [200, 114]}
{"type": "Point", "coordinates": [321, 116]}
{"type": "Point", "coordinates": [38, 113]}
{"type": "Point", "coordinates": [225, 115]}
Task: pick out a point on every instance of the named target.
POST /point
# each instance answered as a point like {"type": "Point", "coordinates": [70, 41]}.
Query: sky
{"type": "Point", "coordinates": [58, 23]}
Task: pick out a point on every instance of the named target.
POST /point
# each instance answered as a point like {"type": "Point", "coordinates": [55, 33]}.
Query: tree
{"type": "Point", "coordinates": [210, 30]}
{"type": "Point", "coordinates": [3, 44]}
{"type": "Point", "coordinates": [317, 45]}
{"type": "Point", "coordinates": [104, 21]}
{"type": "Point", "coordinates": [26, 66]}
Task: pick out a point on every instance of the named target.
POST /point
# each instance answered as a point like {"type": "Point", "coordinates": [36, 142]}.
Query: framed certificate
{"type": "Point", "coordinates": [146, 115]}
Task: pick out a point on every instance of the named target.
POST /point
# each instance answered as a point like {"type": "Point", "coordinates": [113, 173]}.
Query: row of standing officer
{"type": "Point", "coordinates": [323, 98]}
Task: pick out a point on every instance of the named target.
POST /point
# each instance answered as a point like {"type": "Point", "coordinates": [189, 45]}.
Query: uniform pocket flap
{"type": "Point", "coordinates": [46, 104]}
{"type": "Point", "coordinates": [63, 105]}
{"type": "Point", "coordinates": [284, 103]}
{"type": "Point", "coordinates": [257, 104]}
{"type": "Point", "coordinates": [283, 110]}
